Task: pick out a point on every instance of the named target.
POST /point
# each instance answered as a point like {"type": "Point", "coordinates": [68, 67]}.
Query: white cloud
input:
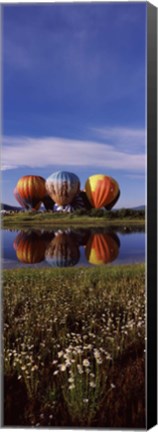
{"type": "Point", "coordinates": [7, 167]}
{"type": "Point", "coordinates": [126, 139]}
{"type": "Point", "coordinates": [135, 176]}
{"type": "Point", "coordinates": [43, 152]}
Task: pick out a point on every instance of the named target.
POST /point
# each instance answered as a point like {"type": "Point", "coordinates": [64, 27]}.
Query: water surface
{"type": "Point", "coordinates": [67, 248]}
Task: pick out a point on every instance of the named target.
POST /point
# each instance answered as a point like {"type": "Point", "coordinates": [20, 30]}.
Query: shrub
{"type": "Point", "coordinates": [97, 212]}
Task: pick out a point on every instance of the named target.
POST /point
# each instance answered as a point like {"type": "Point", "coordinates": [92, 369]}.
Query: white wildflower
{"type": "Point", "coordinates": [86, 363]}
{"type": "Point", "coordinates": [71, 387]}
{"type": "Point", "coordinates": [63, 367]}
{"type": "Point", "coordinates": [60, 354]}
{"type": "Point", "coordinates": [71, 380]}
{"type": "Point", "coordinates": [92, 384]}
{"type": "Point", "coordinates": [80, 369]}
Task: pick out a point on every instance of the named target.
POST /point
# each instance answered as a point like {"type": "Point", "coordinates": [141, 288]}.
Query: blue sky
{"type": "Point", "coordinates": [74, 93]}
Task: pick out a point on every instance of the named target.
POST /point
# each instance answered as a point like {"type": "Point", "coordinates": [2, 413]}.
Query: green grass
{"type": "Point", "coordinates": [74, 346]}
{"type": "Point", "coordinates": [51, 220]}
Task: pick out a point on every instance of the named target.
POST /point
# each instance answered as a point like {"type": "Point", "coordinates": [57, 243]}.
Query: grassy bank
{"type": "Point", "coordinates": [53, 220]}
{"type": "Point", "coordinates": [74, 346]}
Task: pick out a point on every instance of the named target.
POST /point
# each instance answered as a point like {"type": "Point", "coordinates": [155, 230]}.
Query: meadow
{"type": "Point", "coordinates": [89, 218]}
{"type": "Point", "coordinates": [74, 342]}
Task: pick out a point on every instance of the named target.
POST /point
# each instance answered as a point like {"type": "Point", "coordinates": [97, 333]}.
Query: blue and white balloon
{"type": "Point", "coordinates": [62, 187]}
{"type": "Point", "coordinates": [76, 204]}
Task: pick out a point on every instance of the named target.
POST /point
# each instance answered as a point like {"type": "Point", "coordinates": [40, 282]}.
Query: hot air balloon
{"type": "Point", "coordinates": [30, 247]}
{"type": "Point", "coordinates": [76, 203]}
{"type": "Point", "coordinates": [48, 202]}
{"type": "Point", "coordinates": [31, 190]}
{"type": "Point", "coordinates": [111, 205]}
{"type": "Point", "coordinates": [63, 251]}
{"type": "Point", "coordinates": [62, 187]}
{"type": "Point", "coordinates": [101, 190]}
{"type": "Point", "coordinates": [102, 248]}
{"type": "Point", "coordinates": [87, 204]}
{"type": "Point", "coordinates": [19, 199]}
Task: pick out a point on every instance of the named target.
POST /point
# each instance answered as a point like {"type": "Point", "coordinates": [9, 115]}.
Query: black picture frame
{"type": "Point", "coordinates": [151, 216]}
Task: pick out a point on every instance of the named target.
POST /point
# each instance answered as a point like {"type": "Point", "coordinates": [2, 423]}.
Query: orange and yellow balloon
{"type": "Point", "coordinates": [101, 190]}
{"type": "Point", "coordinates": [111, 205]}
{"type": "Point", "coordinates": [102, 248]}
{"type": "Point", "coordinates": [31, 190]}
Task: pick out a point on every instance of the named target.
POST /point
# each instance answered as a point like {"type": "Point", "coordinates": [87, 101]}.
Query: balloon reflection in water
{"type": "Point", "coordinates": [82, 236]}
{"type": "Point", "coordinates": [63, 251]}
{"type": "Point", "coordinates": [30, 247]}
{"type": "Point", "coordinates": [102, 248]}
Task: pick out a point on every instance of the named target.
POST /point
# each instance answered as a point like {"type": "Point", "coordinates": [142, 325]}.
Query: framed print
{"type": "Point", "coordinates": [79, 215]}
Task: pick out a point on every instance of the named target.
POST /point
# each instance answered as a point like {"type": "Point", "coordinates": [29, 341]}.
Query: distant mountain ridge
{"type": "Point", "coordinates": [10, 208]}
{"type": "Point", "coordinates": [142, 207]}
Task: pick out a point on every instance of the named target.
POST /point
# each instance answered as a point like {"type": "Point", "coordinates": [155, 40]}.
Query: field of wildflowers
{"type": "Point", "coordinates": [74, 347]}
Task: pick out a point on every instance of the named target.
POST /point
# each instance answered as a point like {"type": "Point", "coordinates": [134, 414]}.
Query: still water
{"type": "Point", "coordinates": [67, 248]}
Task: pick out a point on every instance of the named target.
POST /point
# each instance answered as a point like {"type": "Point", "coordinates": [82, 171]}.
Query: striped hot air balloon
{"type": "Point", "coordinates": [101, 190]}
{"type": "Point", "coordinates": [48, 202]}
{"type": "Point", "coordinates": [63, 251]}
{"type": "Point", "coordinates": [102, 248]}
{"type": "Point", "coordinates": [30, 190]}
{"type": "Point", "coordinates": [76, 203]}
{"type": "Point", "coordinates": [86, 203]}
{"type": "Point", "coordinates": [19, 199]}
{"type": "Point", "coordinates": [111, 205]}
{"type": "Point", "coordinates": [30, 247]}
{"type": "Point", "coordinates": [62, 187]}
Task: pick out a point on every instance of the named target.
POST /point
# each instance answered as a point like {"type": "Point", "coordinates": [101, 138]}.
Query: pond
{"type": "Point", "coordinates": [72, 247]}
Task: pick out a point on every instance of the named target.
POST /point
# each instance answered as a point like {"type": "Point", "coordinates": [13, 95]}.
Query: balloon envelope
{"type": "Point", "coordinates": [62, 187]}
{"type": "Point", "coordinates": [86, 203]}
{"type": "Point", "coordinates": [111, 205]}
{"type": "Point", "coordinates": [31, 190]}
{"type": "Point", "coordinates": [19, 199]}
{"type": "Point", "coordinates": [102, 248]}
{"type": "Point", "coordinates": [101, 190]}
{"type": "Point", "coordinates": [48, 202]}
{"type": "Point", "coordinates": [76, 203]}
